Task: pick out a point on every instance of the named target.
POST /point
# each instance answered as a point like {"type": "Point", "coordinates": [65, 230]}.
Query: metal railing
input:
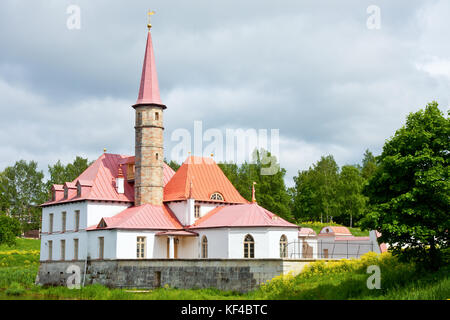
{"type": "Point", "coordinates": [329, 249]}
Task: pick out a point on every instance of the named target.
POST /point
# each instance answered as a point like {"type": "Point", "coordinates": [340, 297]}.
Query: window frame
{"type": "Point", "coordinates": [77, 220]}
{"type": "Point", "coordinates": [217, 196]}
{"type": "Point", "coordinates": [249, 247]}
{"type": "Point", "coordinates": [204, 246]}
{"type": "Point", "coordinates": [50, 222]}
{"type": "Point", "coordinates": [283, 246]}
{"type": "Point", "coordinates": [101, 248]}
{"type": "Point", "coordinates": [141, 246]}
{"type": "Point", "coordinates": [63, 221]}
{"type": "Point", "coordinates": [197, 211]}
{"type": "Point", "coordinates": [63, 250]}
{"type": "Point", "coordinates": [76, 243]}
{"type": "Point", "coordinates": [50, 250]}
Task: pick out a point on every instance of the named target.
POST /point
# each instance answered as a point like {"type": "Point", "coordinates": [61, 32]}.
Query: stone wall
{"type": "Point", "coordinates": [225, 274]}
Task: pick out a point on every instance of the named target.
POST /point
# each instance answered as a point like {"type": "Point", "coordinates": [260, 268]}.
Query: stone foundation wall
{"type": "Point", "coordinates": [225, 274]}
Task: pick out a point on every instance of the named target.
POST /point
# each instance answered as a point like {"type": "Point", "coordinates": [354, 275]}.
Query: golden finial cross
{"type": "Point", "coordinates": [150, 13]}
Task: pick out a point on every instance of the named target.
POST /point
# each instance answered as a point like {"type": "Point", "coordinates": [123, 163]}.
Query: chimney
{"type": "Point", "coordinates": [120, 182]}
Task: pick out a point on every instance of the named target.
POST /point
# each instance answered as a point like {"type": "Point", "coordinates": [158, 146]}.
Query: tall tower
{"type": "Point", "coordinates": [149, 151]}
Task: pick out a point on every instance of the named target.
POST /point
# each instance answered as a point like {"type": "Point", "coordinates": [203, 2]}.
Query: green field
{"type": "Point", "coordinates": [344, 279]}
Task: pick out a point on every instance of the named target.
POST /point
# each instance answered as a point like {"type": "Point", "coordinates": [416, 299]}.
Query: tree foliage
{"type": "Point", "coordinates": [22, 191]}
{"type": "Point", "coordinates": [271, 191]}
{"type": "Point", "coordinates": [315, 191]}
{"type": "Point", "coordinates": [9, 230]}
{"type": "Point", "coordinates": [59, 173]}
{"type": "Point", "coordinates": [409, 192]}
{"type": "Point", "coordinates": [351, 202]}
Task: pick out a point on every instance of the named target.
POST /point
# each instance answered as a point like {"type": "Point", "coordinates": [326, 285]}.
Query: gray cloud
{"type": "Point", "coordinates": [312, 70]}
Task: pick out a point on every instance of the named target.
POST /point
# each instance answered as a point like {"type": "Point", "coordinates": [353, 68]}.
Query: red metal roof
{"type": "Point", "coordinates": [98, 182]}
{"type": "Point", "coordinates": [335, 231]}
{"type": "Point", "coordinates": [206, 177]}
{"type": "Point", "coordinates": [244, 215]}
{"type": "Point", "coordinates": [143, 217]}
{"type": "Point", "coordinates": [306, 232]}
{"type": "Point", "coordinates": [149, 90]}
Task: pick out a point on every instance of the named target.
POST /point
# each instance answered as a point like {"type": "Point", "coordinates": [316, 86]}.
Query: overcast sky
{"type": "Point", "coordinates": [312, 69]}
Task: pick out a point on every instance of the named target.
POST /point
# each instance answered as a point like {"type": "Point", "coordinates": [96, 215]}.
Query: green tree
{"type": "Point", "coordinates": [409, 192]}
{"type": "Point", "coordinates": [304, 201]}
{"type": "Point", "coordinates": [350, 199]}
{"type": "Point", "coordinates": [315, 191]}
{"type": "Point", "coordinates": [23, 190]}
{"type": "Point", "coordinates": [271, 191]}
{"type": "Point", "coordinates": [9, 230]}
{"type": "Point", "coordinates": [369, 165]}
{"type": "Point", "coordinates": [173, 164]}
{"type": "Point", "coordinates": [59, 173]}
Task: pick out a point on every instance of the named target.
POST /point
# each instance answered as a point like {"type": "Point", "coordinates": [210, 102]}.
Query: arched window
{"type": "Point", "coordinates": [283, 247]}
{"type": "Point", "coordinates": [216, 196]}
{"type": "Point", "coordinates": [204, 247]}
{"type": "Point", "coordinates": [157, 156]}
{"type": "Point", "coordinates": [249, 247]}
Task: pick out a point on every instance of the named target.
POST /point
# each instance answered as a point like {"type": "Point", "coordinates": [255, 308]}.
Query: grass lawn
{"type": "Point", "coordinates": [344, 279]}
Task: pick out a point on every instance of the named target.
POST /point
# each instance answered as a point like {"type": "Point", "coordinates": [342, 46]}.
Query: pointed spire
{"type": "Point", "coordinates": [149, 90]}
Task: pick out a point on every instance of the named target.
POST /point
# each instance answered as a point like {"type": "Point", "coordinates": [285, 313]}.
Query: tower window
{"type": "Point", "coordinates": [197, 211]}
{"type": "Point", "coordinates": [139, 117]}
{"type": "Point", "coordinates": [157, 116]}
{"type": "Point", "coordinates": [216, 196]}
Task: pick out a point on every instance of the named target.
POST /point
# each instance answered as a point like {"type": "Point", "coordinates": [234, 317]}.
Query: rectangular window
{"type": "Point", "coordinates": [50, 223]}
{"type": "Point", "coordinates": [63, 221]}
{"type": "Point", "coordinates": [50, 250]}
{"type": "Point", "coordinates": [140, 250]}
{"type": "Point", "coordinates": [77, 220]}
{"type": "Point", "coordinates": [101, 247]}
{"type": "Point", "coordinates": [75, 249]}
{"type": "Point", "coordinates": [63, 250]}
{"type": "Point", "coordinates": [325, 253]}
{"type": "Point", "coordinates": [197, 211]}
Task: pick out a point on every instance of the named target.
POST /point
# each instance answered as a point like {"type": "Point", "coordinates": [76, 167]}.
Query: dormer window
{"type": "Point", "coordinates": [78, 190]}
{"type": "Point", "coordinates": [216, 196]}
{"type": "Point", "coordinates": [66, 192]}
{"type": "Point", "coordinates": [102, 224]}
{"type": "Point", "coordinates": [53, 195]}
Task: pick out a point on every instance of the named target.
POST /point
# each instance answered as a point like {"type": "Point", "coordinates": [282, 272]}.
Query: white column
{"type": "Point", "coordinates": [172, 247]}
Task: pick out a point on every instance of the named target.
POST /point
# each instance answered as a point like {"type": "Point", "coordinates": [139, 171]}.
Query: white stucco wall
{"type": "Point", "coordinates": [267, 241]}
{"type": "Point", "coordinates": [127, 244]}
{"type": "Point", "coordinates": [98, 210]}
{"type": "Point", "coordinates": [179, 209]}
{"type": "Point", "coordinates": [217, 242]}
{"type": "Point", "coordinates": [90, 214]}
{"type": "Point", "coordinates": [110, 243]}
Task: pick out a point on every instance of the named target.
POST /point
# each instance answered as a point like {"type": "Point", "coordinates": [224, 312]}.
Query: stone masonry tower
{"type": "Point", "coordinates": [149, 151]}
